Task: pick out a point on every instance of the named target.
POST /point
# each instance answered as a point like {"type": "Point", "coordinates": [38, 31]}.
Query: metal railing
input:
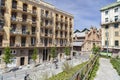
{"type": "Point", "coordinates": [83, 73]}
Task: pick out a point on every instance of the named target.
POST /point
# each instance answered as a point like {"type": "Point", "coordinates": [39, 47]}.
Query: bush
{"type": "Point", "coordinates": [65, 76]}
{"type": "Point", "coordinates": [116, 64]}
{"type": "Point", "coordinates": [94, 71]}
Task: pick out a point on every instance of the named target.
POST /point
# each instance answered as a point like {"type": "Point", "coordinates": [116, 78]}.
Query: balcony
{"type": "Point", "coordinates": [12, 44]}
{"type": "Point", "coordinates": [47, 26]}
{"type": "Point", "coordinates": [45, 16]}
{"type": "Point", "coordinates": [24, 11]}
{"type": "Point", "coordinates": [34, 23]}
{"type": "Point", "coordinates": [109, 22]}
{"type": "Point", "coordinates": [15, 32]}
{"type": "Point", "coordinates": [25, 32]}
{"type": "Point", "coordinates": [20, 21]}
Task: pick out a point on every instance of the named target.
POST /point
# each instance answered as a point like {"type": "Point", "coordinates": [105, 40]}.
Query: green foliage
{"type": "Point", "coordinates": [96, 49]}
{"type": "Point", "coordinates": [66, 67]}
{"type": "Point", "coordinates": [53, 52]}
{"type": "Point", "coordinates": [94, 71]}
{"type": "Point", "coordinates": [116, 64]}
{"type": "Point", "coordinates": [7, 55]}
{"type": "Point", "coordinates": [34, 55]}
{"type": "Point", "coordinates": [65, 76]}
{"type": "Point", "coordinates": [67, 51]}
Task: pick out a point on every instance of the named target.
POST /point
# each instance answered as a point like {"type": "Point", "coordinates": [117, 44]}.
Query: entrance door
{"type": "Point", "coordinates": [22, 61]}
{"type": "Point", "coordinates": [45, 54]}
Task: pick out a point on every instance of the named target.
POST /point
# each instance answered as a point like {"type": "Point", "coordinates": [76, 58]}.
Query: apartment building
{"type": "Point", "coordinates": [84, 40]}
{"type": "Point", "coordinates": [29, 24]}
{"type": "Point", "coordinates": [110, 23]}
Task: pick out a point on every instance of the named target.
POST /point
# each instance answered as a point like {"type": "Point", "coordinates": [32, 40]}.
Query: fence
{"type": "Point", "coordinates": [83, 73]}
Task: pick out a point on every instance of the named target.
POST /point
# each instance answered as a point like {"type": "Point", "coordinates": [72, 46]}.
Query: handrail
{"type": "Point", "coordinates": [82, 74]}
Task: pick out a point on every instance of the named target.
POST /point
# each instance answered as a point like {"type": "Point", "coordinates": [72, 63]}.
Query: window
{"type": "Point", "coordinates": [106, 12]}
{"type": "Point", "coordinates": [106, 27]}
{"type": "Point", "coordinates": [106, 43]}
{"type": "Point", "coordinates": [13, 52]}
{"type": "Point", "coordinates": [116, 18]}
{"type": "Point", "coordinates": [0, 53]}
{"type": "Point", "coordinates": [106, 34]}
{"type": "Point", "coordinates": [116, 33]}
{"type": "Point", "coordinates": [116, 10]}
{"type": "Point", "coordinates": [116, 25]}
{"type": "Point", "coordinates": [106, 19]}
{"type": "Point", "coordinates": [116, 43]}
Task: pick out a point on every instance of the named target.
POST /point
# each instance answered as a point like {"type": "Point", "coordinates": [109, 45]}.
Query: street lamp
{"type": "Point", "coordinates": [107, 39]}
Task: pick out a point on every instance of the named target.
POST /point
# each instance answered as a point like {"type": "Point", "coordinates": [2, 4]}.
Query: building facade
{"type": "Point", "coordinates": [110, 23]}
{"type": "Point", "coordinates": [92, 37]}
{"type": "Point", "coordinates": [29, 24]}
{"type": "Point", "coordinates": [84, 40]}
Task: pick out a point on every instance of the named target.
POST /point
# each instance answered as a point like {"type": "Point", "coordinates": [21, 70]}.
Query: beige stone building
{"type": "Point", "coordinates": [26, 24]}
{"type": "Point", "coordinates": [84, 40]}
{"type": "Point", "coordinates": [110, 23]}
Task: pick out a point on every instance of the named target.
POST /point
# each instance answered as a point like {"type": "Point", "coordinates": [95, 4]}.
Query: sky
{"type": "Point", "coordinates": [86, 12]}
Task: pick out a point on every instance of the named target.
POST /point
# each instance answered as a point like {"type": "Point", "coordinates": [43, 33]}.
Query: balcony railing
{"type": "Point", "coordinates": [12, 44]}
{"type": "Point", "coordinates": [14, 6]}
{"type": "Point", "coordinates": [15, 31]}
{"type": "Point", "coordinates": [110, 22]}
{"type": "Point", "coordinates": [25, 9]}
{"type": "Point", "coordinates": [32, 44]}
{"type": "Point", "coordinates": [23, 44]}
{"type": "Point", "coordinates": [47, 16]}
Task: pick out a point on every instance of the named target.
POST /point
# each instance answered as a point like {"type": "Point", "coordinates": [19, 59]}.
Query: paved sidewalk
{"type": "Point", "coordinates": [106, 71]}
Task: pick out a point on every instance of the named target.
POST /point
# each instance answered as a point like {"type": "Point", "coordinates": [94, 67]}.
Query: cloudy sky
{"type": "Point", "coordinates": [86, 12]}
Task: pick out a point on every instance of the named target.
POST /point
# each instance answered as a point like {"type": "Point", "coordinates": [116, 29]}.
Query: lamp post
{"type": "Point", "coordinates": [107, 40]}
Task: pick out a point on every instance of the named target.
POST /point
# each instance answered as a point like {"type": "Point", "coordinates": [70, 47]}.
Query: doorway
{"type": "Point", "coordinates": [45, 54]}
{"type": "Point", "coordinates": [22, 60]}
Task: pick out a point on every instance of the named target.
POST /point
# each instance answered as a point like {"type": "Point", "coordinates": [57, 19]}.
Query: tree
{"type": "Point", "coordinates": [67, 51]}
{"type": "Point", "coordinates": [7, 56]}
{"type": "Point", "coordinates": [53, 52]}
{"type": "Point", "coordinates": [95, 49]}
{"type": "Point", "coordinates": [34, 55]}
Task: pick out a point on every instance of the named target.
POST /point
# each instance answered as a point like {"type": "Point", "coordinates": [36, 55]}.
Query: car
{"type": "Point", "coordinates": [105, 53]}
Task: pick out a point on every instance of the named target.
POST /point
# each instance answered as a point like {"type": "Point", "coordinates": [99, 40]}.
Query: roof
{"type": "Point", "coordinates": [76, 31]}
{"type": "Point", "coordinates": [79, 34]}
{"type": "Point", "coordinates": [77, 43]}
{"type": "Point", "coordinates": [111, 6]}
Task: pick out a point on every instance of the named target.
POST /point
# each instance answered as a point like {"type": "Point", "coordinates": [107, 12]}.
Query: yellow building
{"type": "Point", "coordinates": [26, 24]}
